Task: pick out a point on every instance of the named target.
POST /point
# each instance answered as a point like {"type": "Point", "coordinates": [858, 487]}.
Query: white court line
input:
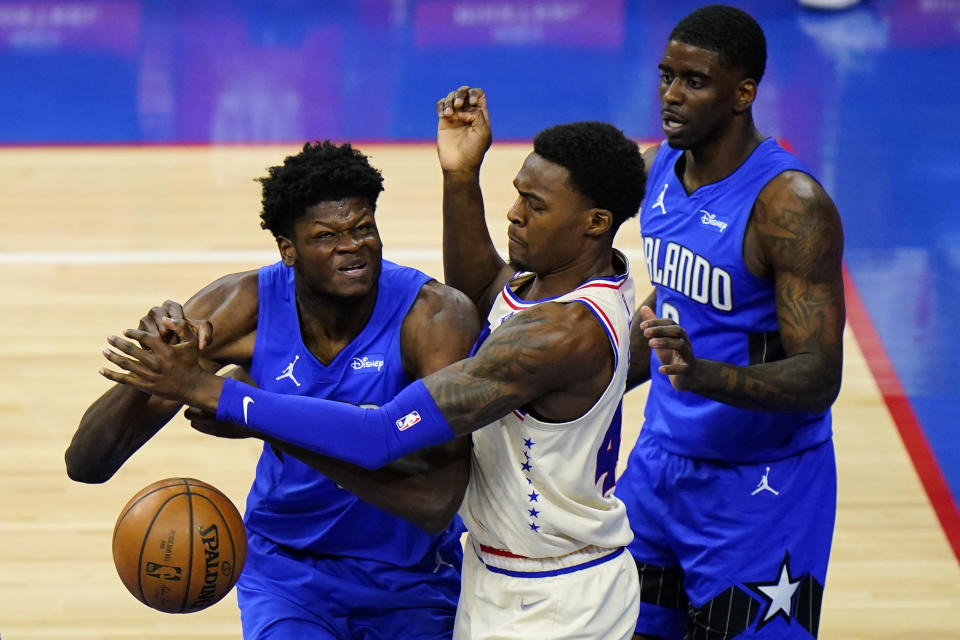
{"type": "Point", "coordinates": [253, 256]}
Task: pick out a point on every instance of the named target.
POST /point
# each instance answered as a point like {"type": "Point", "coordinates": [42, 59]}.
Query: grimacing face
{"type": "Point", "coordinates": [698, 94]}
{"type": "Point", "coordinates": [336, 249]}
{"type": "Point", "coordinates": [545, 231]}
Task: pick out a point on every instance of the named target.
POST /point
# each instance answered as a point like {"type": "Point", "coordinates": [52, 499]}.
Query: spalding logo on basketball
{"type": "Point", "coordinates": [179, 545]}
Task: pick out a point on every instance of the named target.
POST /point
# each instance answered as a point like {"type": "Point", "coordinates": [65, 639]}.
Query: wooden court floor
{"type": "Point", "coordinates": [92, 238]}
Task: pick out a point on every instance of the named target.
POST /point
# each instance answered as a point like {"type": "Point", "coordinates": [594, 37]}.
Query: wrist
{"type": "Point", "coordinates": [462, 175]}
{"type": "Point", "coordinates": [204, 392]}
{"type": "Point", "coordinates": [698, 376]}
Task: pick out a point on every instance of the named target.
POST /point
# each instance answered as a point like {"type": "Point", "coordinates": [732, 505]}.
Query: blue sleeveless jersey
{"type": "Point", "coordinates": [693, 245]}
{"type": "Point", "coordinates": [290, 503]}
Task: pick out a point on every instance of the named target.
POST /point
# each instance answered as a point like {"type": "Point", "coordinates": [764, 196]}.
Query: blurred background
{"type": "Point", "coordinates": [866, 96]}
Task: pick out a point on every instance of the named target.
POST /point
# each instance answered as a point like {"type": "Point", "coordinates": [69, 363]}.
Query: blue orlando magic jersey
{"type": "Point", "coordinates": [290, 503]}
{"type": "Point", "coordinates": [693, 246]}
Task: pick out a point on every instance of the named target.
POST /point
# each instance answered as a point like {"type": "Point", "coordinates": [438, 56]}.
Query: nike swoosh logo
{"type": "Point", "coordinates": [247, 401]}
{"type": "Point", "coordinates": [527, 605]}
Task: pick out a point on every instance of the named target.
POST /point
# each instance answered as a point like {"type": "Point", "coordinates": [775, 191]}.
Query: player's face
{"type": "Point", "coordinates": [698, 95]}
{"type": "Point", "coordinates": [546, 221]}
{"type": "Point", "coordinates": [336, 248]}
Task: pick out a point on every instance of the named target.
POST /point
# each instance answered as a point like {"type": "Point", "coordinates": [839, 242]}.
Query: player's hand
{"type": "Point", "coordinates": [152, 323]}
{"type": "Point", "coordinates": [672, 346]}
{"type": "Point", "coordinates": [463, 130]}
{"type": "Point", "coordinates": [206, 422]}
{"type": "Point", "coordinates": [170, 371]}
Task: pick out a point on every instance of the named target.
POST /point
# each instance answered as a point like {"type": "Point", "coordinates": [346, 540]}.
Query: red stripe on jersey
{"type": "Point", "coordinates": [605, 285]}
{"type": "Point", "coordinates": [506, 298]}
{"type": "Point", "coordinates": [500, 552]}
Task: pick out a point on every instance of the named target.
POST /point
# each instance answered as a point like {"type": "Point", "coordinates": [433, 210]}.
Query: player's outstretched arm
{"type": "Point", "coordinates": [470, 260]}
{"type": "Point", "coordinates": [124, 418]}
{"type": "Point", "coordinates": [547, 348]}
{"type": "Point", "coordinates": [801, 242]}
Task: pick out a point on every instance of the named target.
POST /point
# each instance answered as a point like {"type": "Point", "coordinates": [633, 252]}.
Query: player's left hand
{"type": "Point", "coordinates": [171, 371]}
{"type": "Point", "coordinates": [463, 130]}
{"type": "Point", "coordinates": [672, 346]}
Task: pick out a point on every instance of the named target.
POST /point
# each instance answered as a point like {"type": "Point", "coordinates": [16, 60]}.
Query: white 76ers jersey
{"type": "Point", "coordinates": [543, 489]}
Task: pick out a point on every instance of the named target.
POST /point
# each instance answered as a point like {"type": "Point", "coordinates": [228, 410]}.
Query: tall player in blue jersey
{"type": "Point", "coordinates": [330, 320]}
{"type": "Point", "coordinates": [731, 486]}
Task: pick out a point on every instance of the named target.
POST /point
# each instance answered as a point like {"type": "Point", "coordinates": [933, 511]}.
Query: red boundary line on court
{"type": "Point", "coordinates": [902, 412]}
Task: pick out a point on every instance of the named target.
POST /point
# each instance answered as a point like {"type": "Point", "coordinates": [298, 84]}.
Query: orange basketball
{"type": "Point", "coordinates": [179, 545]}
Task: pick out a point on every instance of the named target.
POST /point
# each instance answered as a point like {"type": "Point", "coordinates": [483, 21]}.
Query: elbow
{"type": "Point", "coordinates": [438, 506]}
{"type": "Point", "coordinates": [436, 520]}
{"type": "Point", "coordinates": [828, 393]}
{"type": "Point", "coordinates": [830, 396]}
{"type": "Point", "coordinates": [79, 470]}
{"type": "Point", "coordinates": [442, 508]}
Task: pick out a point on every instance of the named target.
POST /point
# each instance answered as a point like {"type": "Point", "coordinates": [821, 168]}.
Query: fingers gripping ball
{"type": "Point", "coordinates": [179, 545]}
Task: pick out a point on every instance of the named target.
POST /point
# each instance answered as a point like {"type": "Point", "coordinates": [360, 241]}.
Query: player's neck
{"type": "Point", "coordinates": [566, 278]}
{"type": "Point", "coordinates": [329, 323]}
{"type": "Point", "coordinates": [716, 159]}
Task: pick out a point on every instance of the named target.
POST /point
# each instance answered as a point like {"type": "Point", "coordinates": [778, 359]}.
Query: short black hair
{"type": "Point", "coordinates": [604, 165]}
{"type": "Point", "coordinates": [728, 31]}
{"type": "Point", "coordinates": [321, 172]}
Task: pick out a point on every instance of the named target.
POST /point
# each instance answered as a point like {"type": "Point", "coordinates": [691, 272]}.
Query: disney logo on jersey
{"type": "Point", "coordinates": [367, 363]}
{"type": "Point", "coordinates": [712, 222]}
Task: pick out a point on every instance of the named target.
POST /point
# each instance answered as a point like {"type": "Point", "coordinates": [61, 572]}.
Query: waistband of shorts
{"type": "Point", "coordinates": [511, 564]}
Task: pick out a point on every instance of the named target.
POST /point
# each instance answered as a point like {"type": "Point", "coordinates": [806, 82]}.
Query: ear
{"type": "Point", "coordinates": [599, 222]}
{"type": "Point", "coordinates": [288, 251]}
{"type": "Point", "coordinates": [746, 94]}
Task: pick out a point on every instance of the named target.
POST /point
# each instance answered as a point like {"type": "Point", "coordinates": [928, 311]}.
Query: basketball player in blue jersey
{"type": "Point", "coordinates": [541, 395]}
{"type": "Point", "coordinates": [731, 486]}
{"type": "Point", "coordinates": [330, 320]}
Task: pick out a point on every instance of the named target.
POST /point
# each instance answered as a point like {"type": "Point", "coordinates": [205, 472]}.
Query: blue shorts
{"type": "Point", "coordinates": [735, 549]}
{"type": "Point", "coordinates": [290, 596]}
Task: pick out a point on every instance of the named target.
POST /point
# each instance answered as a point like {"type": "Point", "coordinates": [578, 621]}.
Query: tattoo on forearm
{"type": "Point", "coordinates": [496, 380]}
{"type": "Point", "coordinates": [762, 392]}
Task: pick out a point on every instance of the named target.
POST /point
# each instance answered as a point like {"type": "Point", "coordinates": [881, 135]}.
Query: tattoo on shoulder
{"type": "Point", "coordinates": [804, 232]}
{"type": "Point", "coordinates": [497, 379]}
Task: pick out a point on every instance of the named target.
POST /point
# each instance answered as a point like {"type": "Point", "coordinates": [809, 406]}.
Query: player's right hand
{"type": "Point", "coordinates": [152, 323]}
{"type": "Point", "coordinates": [463, 130]}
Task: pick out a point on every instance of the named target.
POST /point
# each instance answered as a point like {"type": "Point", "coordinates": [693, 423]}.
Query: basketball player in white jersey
{"type": "Point", "coordinates": [541, 394]}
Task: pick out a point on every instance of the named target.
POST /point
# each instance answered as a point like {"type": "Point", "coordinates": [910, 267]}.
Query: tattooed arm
{"type": "Point", "coordinates": [532, 362]}
{"type": "Point", "coordinates": [553, 359]}
{"type": "Point", "coordinates": [795, 238]}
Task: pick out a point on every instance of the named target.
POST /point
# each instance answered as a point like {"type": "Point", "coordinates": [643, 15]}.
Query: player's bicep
{"type": "Point", "coordinates": [803, 240]}
{"type": "Point", "coordinates": [530, 355]}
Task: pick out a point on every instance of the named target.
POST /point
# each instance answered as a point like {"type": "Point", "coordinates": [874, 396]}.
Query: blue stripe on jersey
{"type": "Point", "coordinates": [693, 246]}
{"type": "Point", "coordinates": [292, 504]}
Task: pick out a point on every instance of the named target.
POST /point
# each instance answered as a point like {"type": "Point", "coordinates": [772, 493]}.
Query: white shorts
{"type": "Point", "coordinates": [504, 598]}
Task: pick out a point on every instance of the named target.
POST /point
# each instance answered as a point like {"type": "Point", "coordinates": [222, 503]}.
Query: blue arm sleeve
{"type": "Point", "coordinates": [367, 437]}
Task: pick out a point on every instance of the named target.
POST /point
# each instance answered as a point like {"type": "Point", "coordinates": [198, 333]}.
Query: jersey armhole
{"type": "Point", "coordinates": [604, 321]}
